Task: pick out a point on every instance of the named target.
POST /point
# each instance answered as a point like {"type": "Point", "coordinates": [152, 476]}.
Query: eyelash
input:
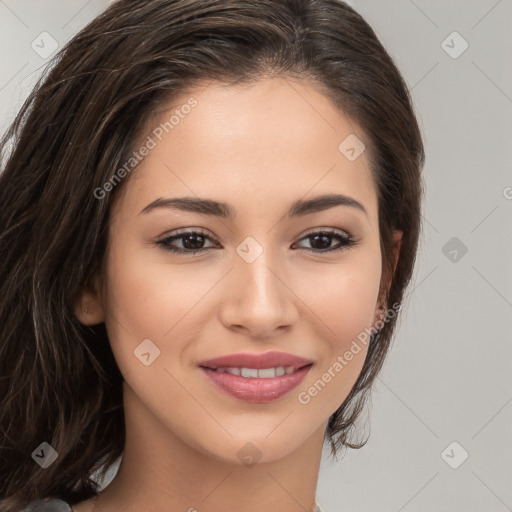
{"type": "Point", "coordinates": [346, 241]}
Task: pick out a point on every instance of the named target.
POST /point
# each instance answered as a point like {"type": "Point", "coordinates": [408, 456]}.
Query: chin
{"type": "Point", "coordinates": [253, 449]}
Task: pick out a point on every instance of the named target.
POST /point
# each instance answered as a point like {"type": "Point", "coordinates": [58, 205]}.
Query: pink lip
{"type": "Point", "coordinates": [259, 361]}
{"type": "Point", "coordinates": [256, 389]}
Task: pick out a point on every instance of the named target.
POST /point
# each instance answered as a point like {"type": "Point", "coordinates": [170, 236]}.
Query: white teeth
{"type": "Point", "coordinates": [249, 372]}
{"type": "Point", "coordinates": [267, 373]}
{"type": "Point", "coordinates": [264, 373]}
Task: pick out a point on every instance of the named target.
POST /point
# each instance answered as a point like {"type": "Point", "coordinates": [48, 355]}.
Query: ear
{"type": "Point", "coordinates": [88, 307]}
{"type": "Point", "coordinates": [397, 240]}
{"type": "Point", "coordinates": [381, 307]}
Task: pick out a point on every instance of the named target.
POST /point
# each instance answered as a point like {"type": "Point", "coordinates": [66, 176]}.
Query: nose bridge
{"type": "Point", "coordinates": [256, 266]}
{"type": "Point", "coordinates": [259, 299]}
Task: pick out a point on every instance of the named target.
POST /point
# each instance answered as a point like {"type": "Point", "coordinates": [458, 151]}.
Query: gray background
{"type": "Point", "coordinates": [448, 377]}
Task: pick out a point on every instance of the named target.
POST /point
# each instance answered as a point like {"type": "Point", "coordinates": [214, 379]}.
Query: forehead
{"type": "Point", "coordinates": [252, 145]}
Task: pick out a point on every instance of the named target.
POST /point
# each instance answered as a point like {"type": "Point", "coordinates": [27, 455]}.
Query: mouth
{"type": "Point", "coordinates": [257, 385]}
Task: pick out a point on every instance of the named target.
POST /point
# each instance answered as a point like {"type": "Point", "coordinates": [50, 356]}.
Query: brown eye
{"type": "Point", "coordinates": [320, 241]}
{"type": "Point", "coordinates": [191, 241]}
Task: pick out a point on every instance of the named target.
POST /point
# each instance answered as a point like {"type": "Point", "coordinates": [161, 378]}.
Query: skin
{"type": "Point", "coordinates": [258, 148]}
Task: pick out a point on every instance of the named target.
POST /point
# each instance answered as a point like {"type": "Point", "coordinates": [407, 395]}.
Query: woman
{"type": "Point", "coordinates": [210, 214]}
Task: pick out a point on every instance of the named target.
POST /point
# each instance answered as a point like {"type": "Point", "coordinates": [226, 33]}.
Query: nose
{"type": "Point", "coordinates": [259, 298]}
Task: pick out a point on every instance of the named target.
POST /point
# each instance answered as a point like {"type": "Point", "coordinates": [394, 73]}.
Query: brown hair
{"type": "Point", "coordinates": [59, 381]}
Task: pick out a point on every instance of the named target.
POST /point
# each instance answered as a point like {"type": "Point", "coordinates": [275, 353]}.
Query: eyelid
{"type": "Point", "coordinates": [188, 230]}
{"type": "Point", "coordinates": [337, 231]}
{"type": "Point", "coordinates": [202, 231]}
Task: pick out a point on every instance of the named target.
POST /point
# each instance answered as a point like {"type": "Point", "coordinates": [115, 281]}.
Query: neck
{"type": "Point", "coordinates": [161, 471]}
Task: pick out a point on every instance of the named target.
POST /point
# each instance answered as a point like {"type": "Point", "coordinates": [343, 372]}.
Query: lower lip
{"type": "Point", "coordinates": [256, 389]}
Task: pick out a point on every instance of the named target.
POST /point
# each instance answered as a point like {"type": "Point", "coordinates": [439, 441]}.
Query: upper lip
{"type": "Point", "coordinates": [258, 361]}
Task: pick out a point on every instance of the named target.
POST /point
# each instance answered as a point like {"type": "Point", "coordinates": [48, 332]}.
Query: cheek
{"type": "Point", "coordinates": [147, 294]}
{"type": "Point", "coordinates": [142, 303]}
{"type": "Point", "coordinates": [355, 297]}
{"type": "Point", "coordinates": [344, 301]}
{"type": "Point", "coordinates": [344, 297]}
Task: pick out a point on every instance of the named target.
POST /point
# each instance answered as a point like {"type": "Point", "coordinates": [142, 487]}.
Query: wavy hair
{"type": "Point", "coordinates": [59, 381]}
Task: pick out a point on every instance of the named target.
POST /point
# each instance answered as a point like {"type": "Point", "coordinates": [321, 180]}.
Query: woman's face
{"type": "Point", "coordinates": [263, 281]}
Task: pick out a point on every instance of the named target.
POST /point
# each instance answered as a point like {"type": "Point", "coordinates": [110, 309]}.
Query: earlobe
{"type": "Point", "coordinates": [378, 318]}
{"type": "Point", "coordinates": [88, 308]}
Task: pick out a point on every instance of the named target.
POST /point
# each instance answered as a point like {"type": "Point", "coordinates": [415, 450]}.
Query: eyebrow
{"type": "Point", "coordinates": [223, 210]}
